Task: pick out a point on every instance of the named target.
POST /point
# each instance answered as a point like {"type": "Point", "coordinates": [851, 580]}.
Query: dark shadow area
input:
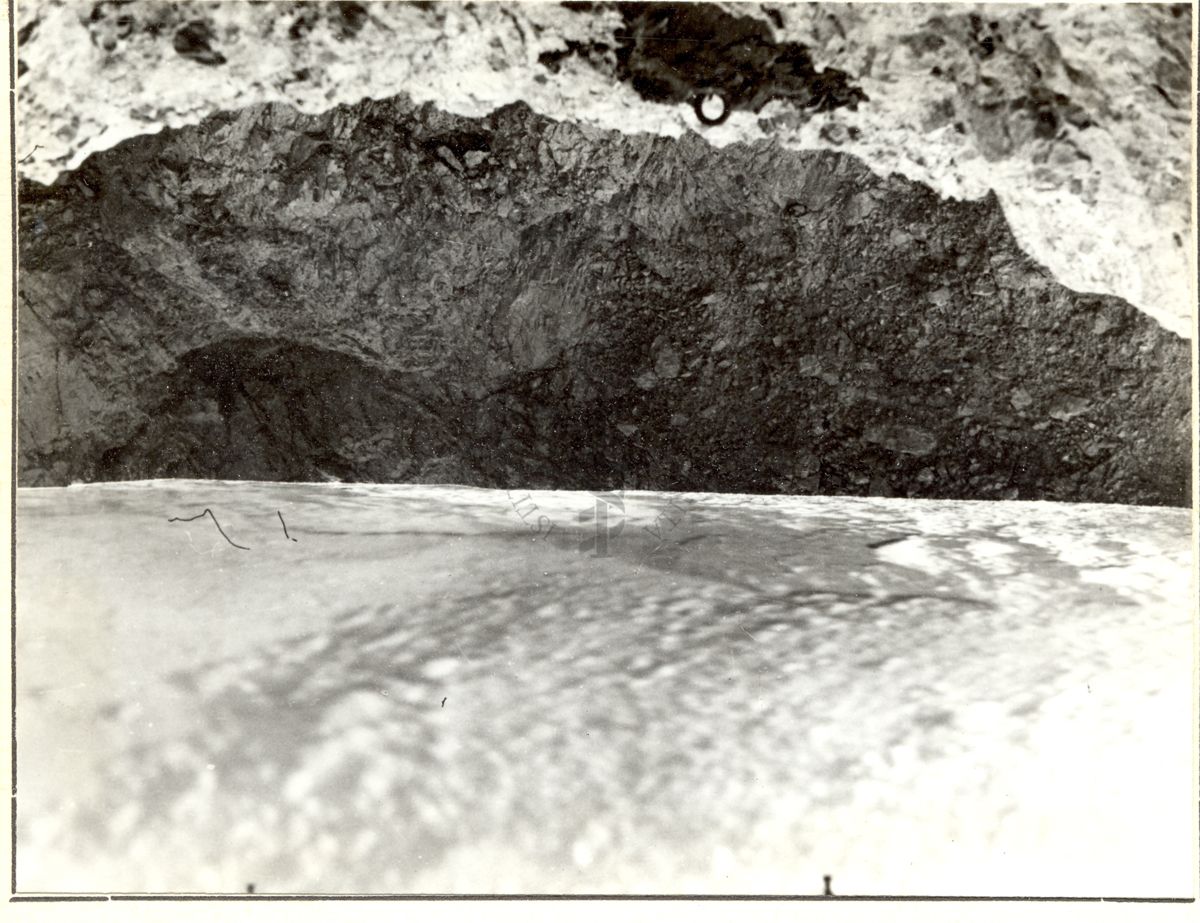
{"type": "Point", "coordinates": [686, 52]}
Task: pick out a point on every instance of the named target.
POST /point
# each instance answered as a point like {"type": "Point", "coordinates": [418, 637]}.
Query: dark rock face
{"type": "Point", "coordinates": [681, 52]}
{"type": "Point", "coordinates": [386, 292]}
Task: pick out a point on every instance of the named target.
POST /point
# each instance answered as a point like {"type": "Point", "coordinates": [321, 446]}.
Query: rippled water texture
{"type": "Point", "coordinates": [419, 693]}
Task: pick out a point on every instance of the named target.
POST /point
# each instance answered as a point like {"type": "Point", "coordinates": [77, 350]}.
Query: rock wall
{"type": "Point", "coordinates": [390, 292]}
{"type": "Point", "coordinates": [1076, 116]}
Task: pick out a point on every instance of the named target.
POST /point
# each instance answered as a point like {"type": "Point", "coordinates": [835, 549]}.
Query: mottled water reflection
{"type": "Point", "coordinates": [420, 693]}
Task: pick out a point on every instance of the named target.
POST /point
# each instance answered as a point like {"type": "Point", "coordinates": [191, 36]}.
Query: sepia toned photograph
{"type": "Point", "coordinates": [603, 449]}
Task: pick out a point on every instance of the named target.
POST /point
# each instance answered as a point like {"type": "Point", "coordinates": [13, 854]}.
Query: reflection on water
{"type": "Point", "coordinates": [422, 693]}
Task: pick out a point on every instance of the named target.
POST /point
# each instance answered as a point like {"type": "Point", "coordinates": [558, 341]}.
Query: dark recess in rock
{"type": "Point", "coordinates": [684, 52]}
{"type": "Point", "coordinates": [353, 16]}
{"type": "Point", "coordinates": [387, 292]}
{"type": "Point", "coordinates": [596, 53]}
{"type": "Point", "coordinates": [194, 41]}
{"type": "Point", "coordinates": [303, 23]}
{"type": "Point", "coordinates": [25, 33]}
{"type": "Point", "coordinates": [258, 404]}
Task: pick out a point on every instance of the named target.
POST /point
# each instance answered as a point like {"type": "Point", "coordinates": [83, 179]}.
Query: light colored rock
{"type": "Point", "coordinates": [910, 440]}
{"type": "Point", "coordinates": [667, 363]}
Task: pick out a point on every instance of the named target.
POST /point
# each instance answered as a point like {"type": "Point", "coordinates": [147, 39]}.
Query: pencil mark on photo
{"type": "Point", "coordinates": [284, 524]}
{"type": "Point", "coordinates": [209, 513]}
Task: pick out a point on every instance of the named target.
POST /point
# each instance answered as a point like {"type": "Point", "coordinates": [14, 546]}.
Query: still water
{"type": "Point", "coordinates": [350, 688]}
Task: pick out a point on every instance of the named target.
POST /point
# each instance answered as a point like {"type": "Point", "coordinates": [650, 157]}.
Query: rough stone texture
{"type": "Point", "coordinates": [1076, 116]}
{"type": "Point", "coordinates": [391, 293]}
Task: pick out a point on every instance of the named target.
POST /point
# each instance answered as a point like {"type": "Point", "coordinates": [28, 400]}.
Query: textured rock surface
{"type": "Point", "coordinates": [415, 696]}
{"type": "Point", "coordinates": [1076, 116]}
{"type": "Point", "coordinates": [391, 293]}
